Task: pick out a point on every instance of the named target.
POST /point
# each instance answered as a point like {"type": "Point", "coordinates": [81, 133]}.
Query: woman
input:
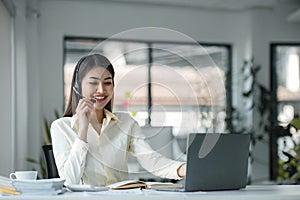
{"type": "Point", "coordinates": [90, 143]}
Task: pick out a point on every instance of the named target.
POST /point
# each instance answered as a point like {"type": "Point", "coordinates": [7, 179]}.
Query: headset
{"type": "Point", "coordinates": [77, 87]}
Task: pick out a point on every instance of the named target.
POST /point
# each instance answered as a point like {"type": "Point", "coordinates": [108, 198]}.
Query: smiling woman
{"type": "Point", "coordinates": [88, 81]}
{"type": "Point", "coordinates": [90, 143]}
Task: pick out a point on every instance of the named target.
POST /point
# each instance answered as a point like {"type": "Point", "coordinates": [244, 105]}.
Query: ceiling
{"type": "Point", "coordinates": [209, 4]}
{"type": "Point", "coordinates": [225, 5]}
{"type": "Point", "coordinates": [231, 5]}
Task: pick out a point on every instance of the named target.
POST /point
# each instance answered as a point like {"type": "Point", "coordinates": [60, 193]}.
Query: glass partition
{"type": "Point", "coordinates": [162, 83]}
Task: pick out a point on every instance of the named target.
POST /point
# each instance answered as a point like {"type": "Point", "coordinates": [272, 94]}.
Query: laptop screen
{"type": "Point", "coordinates": [217, 161]}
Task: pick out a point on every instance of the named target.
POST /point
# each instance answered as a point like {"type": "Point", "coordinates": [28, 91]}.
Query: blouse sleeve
{"type": "Point", "coordinates": [69, 152]}
{"type": "Point", "coordinates": [151, 160]}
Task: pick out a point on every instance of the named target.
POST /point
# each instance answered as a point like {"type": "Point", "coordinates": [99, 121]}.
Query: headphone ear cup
{"type": "Point", "coordinates": [76, 87]}
{"type": "Point", "coordinates": [76, 81]}
{"type": "Point", "coordinates": [76, 84]}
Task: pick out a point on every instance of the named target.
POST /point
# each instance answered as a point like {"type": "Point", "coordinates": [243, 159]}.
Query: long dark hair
{"type": "Point", "coordinates": [83, 66]}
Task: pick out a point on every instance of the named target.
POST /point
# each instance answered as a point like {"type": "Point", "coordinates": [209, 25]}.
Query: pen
{"type": "Point", "coordinates": [9, 191]}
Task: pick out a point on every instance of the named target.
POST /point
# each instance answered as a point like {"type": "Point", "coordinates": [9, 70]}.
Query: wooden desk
{"type": "Point", "coordinates": [252, 192]}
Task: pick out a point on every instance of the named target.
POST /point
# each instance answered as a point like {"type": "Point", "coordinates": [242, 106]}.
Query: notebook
{"type": "Point", "coordinates": [215, 162]}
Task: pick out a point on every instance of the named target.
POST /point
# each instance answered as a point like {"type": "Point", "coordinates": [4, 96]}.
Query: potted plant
{"type": "Point", "coordinates": [40, 163]}
{"type": "Point", "coordinates": [289, 168]}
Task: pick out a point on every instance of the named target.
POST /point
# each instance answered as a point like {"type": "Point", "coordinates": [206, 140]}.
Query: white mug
{"type": "Point", "coordinates": [23, 175]}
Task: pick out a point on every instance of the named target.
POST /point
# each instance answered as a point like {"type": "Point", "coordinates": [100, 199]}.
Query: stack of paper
{"type": "Point", "coordinates": [87, 188]}
{"type": "Point", "coordinates": [39, 187]}
{"type": "Point", "coordinates": [6, 187]}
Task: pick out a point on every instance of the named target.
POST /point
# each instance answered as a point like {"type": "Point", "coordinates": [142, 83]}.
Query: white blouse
{"type": "Point", "coordinates": [103, 159]}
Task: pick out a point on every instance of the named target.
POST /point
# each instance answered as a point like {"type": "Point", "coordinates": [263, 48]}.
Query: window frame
{"type": "Point", "coordinates": [273, 146]}
{"type": "Point", "coordinates": [228, 73]}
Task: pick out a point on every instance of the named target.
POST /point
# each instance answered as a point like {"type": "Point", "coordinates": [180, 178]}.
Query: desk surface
{"type": "Point", "coordinates": [252, 192]}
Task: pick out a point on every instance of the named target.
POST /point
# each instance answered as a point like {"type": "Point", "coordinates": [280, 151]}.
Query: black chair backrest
{"type": "Point", "coordinates": [50, 162]}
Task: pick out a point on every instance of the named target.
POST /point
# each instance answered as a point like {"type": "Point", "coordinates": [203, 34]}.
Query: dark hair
{"type": "Point", "coordinates": [83, 66]}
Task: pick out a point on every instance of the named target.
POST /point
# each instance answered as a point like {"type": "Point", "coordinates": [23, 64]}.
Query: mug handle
{"type": "Point", "coordinates": [12, 176]}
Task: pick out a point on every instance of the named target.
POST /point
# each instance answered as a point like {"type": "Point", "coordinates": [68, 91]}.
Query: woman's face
{"type": "Point", "coordinates": [98, 84]}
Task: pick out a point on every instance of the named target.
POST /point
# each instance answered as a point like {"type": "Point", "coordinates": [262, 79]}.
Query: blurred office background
{"type": "Point", "coordinates": [160, 42]}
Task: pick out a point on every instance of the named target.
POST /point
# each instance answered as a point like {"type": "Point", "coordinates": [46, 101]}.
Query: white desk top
{"type": "Point", "coordinates": [252, 192]}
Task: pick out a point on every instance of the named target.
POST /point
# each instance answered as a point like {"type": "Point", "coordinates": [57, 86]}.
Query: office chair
{"type": "Point", "coordinates": [50, 162]}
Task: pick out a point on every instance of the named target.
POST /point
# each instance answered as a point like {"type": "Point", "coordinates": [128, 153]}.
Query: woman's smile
{"type": "Point", "coordinates": [100, 98]}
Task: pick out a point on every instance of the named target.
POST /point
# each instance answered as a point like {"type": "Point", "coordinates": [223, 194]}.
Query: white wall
{"type": "Point", "coordinates": [21, 80]}
{"type": "Point", "coordinates": [100, 19]}
{"type": "Point", "coordinates": [249, 32]}
{"type": "Point", "coordinates": [5, 90]}
{"type": "Point", "coordinates": [35, 126]}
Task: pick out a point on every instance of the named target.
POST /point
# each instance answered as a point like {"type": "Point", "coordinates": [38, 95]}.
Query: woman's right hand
{"type": "Point", "coordinates": [84, 110]}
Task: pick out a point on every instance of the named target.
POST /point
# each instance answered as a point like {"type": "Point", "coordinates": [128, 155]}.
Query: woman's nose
{"type": "Point", "coordinates": [100, 88]}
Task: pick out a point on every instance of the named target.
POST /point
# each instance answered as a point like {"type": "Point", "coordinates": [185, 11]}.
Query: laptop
{"type": "Point", "coordinates": [215, 162]}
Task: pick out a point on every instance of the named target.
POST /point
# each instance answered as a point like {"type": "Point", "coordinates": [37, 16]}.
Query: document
{"type": "Point", "coordinates": [130, 184]}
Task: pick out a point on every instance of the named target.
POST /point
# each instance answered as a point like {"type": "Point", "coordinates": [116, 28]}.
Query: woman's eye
{"type": "Point", "coordinates": [94, 83]}
{"type": "Point", "coordinates": [108, 83]}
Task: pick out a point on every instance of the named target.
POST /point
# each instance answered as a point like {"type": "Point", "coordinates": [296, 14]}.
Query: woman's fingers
{"type": "Point", "coordinates": [84, 105]}
{"type": "Point", "coordinates": [181, 171]}
{"type": "Point", "coordinates": [84, 110]}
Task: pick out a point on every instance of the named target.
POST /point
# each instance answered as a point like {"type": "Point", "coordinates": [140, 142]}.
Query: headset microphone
{"type": "Point", "coordinates": [78, 93]}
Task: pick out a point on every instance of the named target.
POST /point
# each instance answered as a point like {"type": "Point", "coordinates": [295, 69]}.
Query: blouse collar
{"type": "Point", "coordinates": [108, 115]}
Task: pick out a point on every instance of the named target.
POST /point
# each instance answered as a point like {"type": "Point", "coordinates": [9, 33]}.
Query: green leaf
{"type": "Point", "coordinates": [32, 160]}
